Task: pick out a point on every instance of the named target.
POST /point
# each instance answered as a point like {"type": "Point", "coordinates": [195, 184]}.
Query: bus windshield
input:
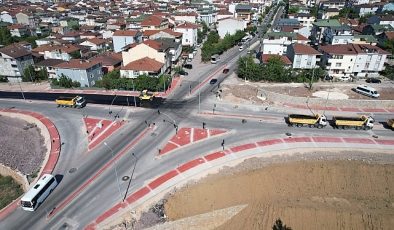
{"type": "Point", "coordinates": [26, 204]}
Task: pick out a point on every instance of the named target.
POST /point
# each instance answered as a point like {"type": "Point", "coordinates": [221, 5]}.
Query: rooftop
{"type": "Point", "coordinates": [304, 49]}
{"type": "Point", "coordinates": [327, 23]}
{"type": "Point", "coordinates": [15, 51]}
{"type": "Point", "coordinates": [77, 64]}
{"type": "Point", "coordinates": [144, 64]}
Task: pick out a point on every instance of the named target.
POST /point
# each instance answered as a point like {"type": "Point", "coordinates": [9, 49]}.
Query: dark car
{"type": "Point", "coordinates": [182, 72]}
{"type": "Point", "coordinates": [188, 66]}
{"type": "Point", "coordinates": [373, 80]}
{"type": "Point", "coordinates": [213, 81]}
{"type": "Point", "coordinates": [225, 71]}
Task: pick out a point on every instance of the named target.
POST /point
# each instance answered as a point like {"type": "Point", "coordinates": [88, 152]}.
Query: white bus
{"type": "Point", "coordinates": [37, 194]}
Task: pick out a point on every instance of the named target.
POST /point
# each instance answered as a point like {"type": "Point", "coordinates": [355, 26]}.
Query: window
{"type": "Point", "coordinates": [367, 65]}
{"type": "Point", "coordinates": [14, 66]}
{"type": "Point", "coordinates": [338, 64]}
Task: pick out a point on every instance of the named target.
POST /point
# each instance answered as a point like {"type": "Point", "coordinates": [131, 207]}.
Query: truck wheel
{"type": "Point", "coordinates": [310, 126]}
{"type": "Point", "coordinates": [319, 126]}
{"type": "Point", "coordinates": [358, 128]}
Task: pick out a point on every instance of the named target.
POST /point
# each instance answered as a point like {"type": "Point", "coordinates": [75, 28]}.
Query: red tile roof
{"type": "Point", "coordinates": [301, 38]}
{"type": "Point", "coordinates": [352, 49]}
{"type": "Point", "coordinates": [389, 34]}
{"type": "Point", "coordinates": [266, 57]}
{"type": "Point", "coordinates": [125, 33]}
{"type": "Point", "coordinates": [97, 41]}
{"type": "Point", "coordinates": [77, 64]}
{"type": "Point", "coordinates": [304, 49]}
{"type": "Point", "coordinates": [188, 25]}
{"type": "Point", "coordinates": [64, 48]}
{"type": "Point", "coordinates": [153, 44]}
{"type": "Point", "coordinates": [152, 20]}
{"type": "Point", "coordinates": [15, 51]}
{"type": "Point", "coordinates": [144, 64]}
{"type": "Point", "coordinates": [148, 33]}
{"type": "Point", "coordinates": [173, 33]}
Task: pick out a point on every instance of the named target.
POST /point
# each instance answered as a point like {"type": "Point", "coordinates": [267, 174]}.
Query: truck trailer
{"type": "Point", "coordinates": [362, 122]}
{"type": "Point", "coordinates": [299, 120]}
{"type": "Point", "coordinates": [71, 102]}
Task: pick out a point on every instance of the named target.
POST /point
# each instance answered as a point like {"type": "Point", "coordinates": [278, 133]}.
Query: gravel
{"type": "Point", "coordinates": [22, 146]}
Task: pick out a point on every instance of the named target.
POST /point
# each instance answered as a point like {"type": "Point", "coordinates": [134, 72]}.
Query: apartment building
{"type": "Point", "coordinates": [13, 61]}
{"type": "Point", "coordinates": [122, 38]}
{"type": "Point", "coordinates": [303, 56]}
{"type": "Point", "coordinates": [277, 42]}
{"type": "Point", "coordinates": [358, 60]}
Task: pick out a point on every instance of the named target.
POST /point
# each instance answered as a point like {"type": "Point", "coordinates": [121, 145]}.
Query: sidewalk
{"type": "Point", "coordinates": [229, 156]}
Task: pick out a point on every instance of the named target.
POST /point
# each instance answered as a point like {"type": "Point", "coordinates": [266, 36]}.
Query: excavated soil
{"type": "Point", "coordinates": [354, 191]}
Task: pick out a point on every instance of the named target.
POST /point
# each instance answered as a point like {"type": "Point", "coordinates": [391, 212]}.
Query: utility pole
{"type": "Point", "coordinates": [116, 170]}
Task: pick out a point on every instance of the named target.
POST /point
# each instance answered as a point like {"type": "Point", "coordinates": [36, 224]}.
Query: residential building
{"type": "Point", "coordinates": [303, 56]}
{"type": "Point", "coordinates": [330, 12]}
{"type": "Point", "coordinates": [146, 65]}
{"type": "Point", "coordinates": [84, 72]}
{"type": "Point", "coordinates": [154, 22]}
{"type": "Point", "coordinates": [8, 17]}
{"type": "Point", "coordinates": [333, 4]}
{"type": "Point", "coordinates": [277, 42]}
{"type": "Point", "coordinates": [18, 30]}
{"type": "Point", "coordinates": [110, 61]}
{"type": "Point", "coordinates": [122, 38]}
{"type": "Point", "coordinates": [14, 59]}
{"type": "Point", "coordinates": [230, 26]}
{"type": "Point", "coordinates": [305, 20]}
{"type": "Point", "coordinates": [175, 48]}
{"type": "Point", "coordinates": [26, 19]}
{"type": "Point", "coordinates": [95, 44]}
{"type": "Point", "coordinates": [376, 29]}
{"type": "Point", "coordinates": [366, 9]}
{"type": "Point", "coordinates": [319, 28]}
{"type": "Point", "coordinates": [285, 60]}
{"type": "Point", "coordinates": [334, 34]}
{"type": "Point", "coordinates": [243, 12]}
{"type": "Point", "coordinates": [49, 65]}
{"type": "Point", "coordinates": [189, 32]}
{"type": "Point", "coordinates": [186, 17]}
{"type": "Point", "coordinates": [63, 52]}
{"type": "Point", "coordinates": [358, 60]}
{"type": "Point", "coordinates": [153, 49]}
{"type": "Point", "coordinates": [167, 33]}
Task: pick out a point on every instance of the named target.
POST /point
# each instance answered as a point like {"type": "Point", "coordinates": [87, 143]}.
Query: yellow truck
{"type": "Point", "coordinates": [146, 95]}
{"type": "Point", "coordinates": [390, 123]}
{"type": "Point", "coordinates": [71, 102]}
{"type": "Point", "coordinates": [299, 120]}
{"type": "Point", "coordinates": [361, 122]}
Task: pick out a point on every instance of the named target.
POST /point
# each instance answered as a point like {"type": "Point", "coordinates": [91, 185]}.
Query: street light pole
{"type": "Point", "coordinates": [199, 94]}
{"type": "Point", "coordinates": [135, 103]}
{"type": "Point", "coordinates": [116, 170]}
{"type": "Point", "coordinates": [23, 95]}
{"type": "Point", "coordinates": [131, 176]}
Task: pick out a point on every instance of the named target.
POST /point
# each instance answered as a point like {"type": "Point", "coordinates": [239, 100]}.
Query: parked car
{"type": "Point", "coordinates": [188, 66]}
{"type": "Point", "coordinates": [373, 80]}
{"type": "Point", "coordinates": [225, 71]}
{"type": "Point", "coordinates": [240, 43]}
{"type": "Point", "coordinates": [213, 81]}
{"type": "Point", "coordinates": [344, 78]}
{"type": "Point", "coordinates": [241, 48]}
{"type": "Point", "coordinates": [328, 78]}
{"type": "Point", "coordinates": [184, 73]}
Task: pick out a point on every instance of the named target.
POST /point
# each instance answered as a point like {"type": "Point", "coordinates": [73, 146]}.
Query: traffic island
{"type": "Point", "coordinates": [98, 130]}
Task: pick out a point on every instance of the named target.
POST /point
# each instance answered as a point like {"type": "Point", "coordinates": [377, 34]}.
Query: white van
{"type": "Point", "coordinates": [367, 91]}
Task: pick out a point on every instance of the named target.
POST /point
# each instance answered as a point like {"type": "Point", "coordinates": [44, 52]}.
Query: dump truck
{"type": "Point", "coordinates": [299, 120]}
{"type": "Point", "coordinates": [361, 122]}
{"type": "Point", "coordinates": [72, 102]}
{"type": "Point", "coordinates": [146, 95]}
{"type": "Point", "coordinates": [390, 123]}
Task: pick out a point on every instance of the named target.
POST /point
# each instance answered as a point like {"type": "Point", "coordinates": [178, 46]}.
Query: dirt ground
{"type": "Point", "coordinates": [342, 190]}
{"type": "Point", "coordinates": [22, 146]}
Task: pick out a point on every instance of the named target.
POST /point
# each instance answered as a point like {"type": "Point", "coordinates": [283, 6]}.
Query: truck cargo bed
{"type": "Point", "coordinates": [301, 116]}
{"type": "Point", "coordinates": [349, 118]}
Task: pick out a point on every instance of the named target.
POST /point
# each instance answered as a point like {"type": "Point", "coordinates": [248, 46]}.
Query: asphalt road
{"type": "Point", "coordinates": [180, 108]}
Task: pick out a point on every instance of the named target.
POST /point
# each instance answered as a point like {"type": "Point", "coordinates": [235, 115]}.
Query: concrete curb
{"type": "Point", "coordinates": [183, 173]}
{"type": "Point", "coordinates": [53, 156]}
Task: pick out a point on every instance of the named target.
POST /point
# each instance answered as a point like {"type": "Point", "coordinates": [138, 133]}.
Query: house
{"type": "Point", "coordinates": [72, 36]}
{"type": "Point", "coordinates": [359, 60]}
{"type": "Point", "coordinates": [387, 7]}
{"type": "Point", "coordinates": [333, 4]}
{"type": "Point", "coordinates": [95, 44]}
{"type": "Point", "coordinates": [8, 16]}
{"type": "Point", "coordinates": [109, 61]}
{"type": "Point", "coordinates": [13, 61]}
{"type": "Point", "coordinates": [175, 48]}
{"type": "Point", "coordinates": [122, 38]}
{"type": "Point", "coordinates": [84, 72]}
{"type": "Point", "coordinates": [384, 37]}
{"type": "Point", "coordinates": [243, 12]}
{"type": "Point", "coordinates": [329, 13]}
{"type": "Point", "coordinates": [376, 29]}
{"type": "Point", "coordinates": [230, 26]}
{"type": "Point", "coordinates": [189, 32]}
{"type": "Point", "coordinates": [186, 17]}
{"type": "Point", "coordinates": [26, 19]}
{"type": "Point", "coordinates": [158, 51]}
{"type": "Point", "coordinates": [154, 22]}
{"type": "Point", "coordinates": [49, 65]}
{"type": "Point", "coordinates": [364, 39]}
{"type": "Point", "coordinates": [277, 42]}
{"type": "Point", "coordinates": [146, 65]}
{"type": "Point", "coordinates": [207, 14]}
{"type": "Point", "coordinates": [366, 9]}
{"type": "Point", "coordinates": [337, 34]}
{"type": "Point", "coordinates": [18, 30]}
{"type": "Point", "coordinates": [303, 56]}
{"type": "Point", "coordinates": [167, 33]}
{"type": "Point", "coordinates": [224, 13]}
{"type": "Point", "coordinates": [266, 57]}
{"type": "Point", "coordinates": [305, 20]}
{"type": "Point", "coordinates": [63, 52]}
{"type": "Point", "coordinates": [320, 26]}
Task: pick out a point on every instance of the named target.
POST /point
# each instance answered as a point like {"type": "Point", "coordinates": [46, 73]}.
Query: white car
{"type": "Point", "coordinates": [344, 78]}
{"type": "Point", "coordinates": [241, 48]}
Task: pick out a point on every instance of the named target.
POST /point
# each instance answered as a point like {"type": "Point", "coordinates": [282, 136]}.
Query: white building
{"type": "Point", "coordinates": [303, 56]}
{"type": "Point", "coordinates": [277, 42]}
{"type": "Point", "coordinates": [230, 26]}
{"type": "Point", "coordinates": [13, 61]}
{"type": "Point", "coordinates": [122, 38]}
{"type": "Point", "coordinates": [189, 33]}
{"type": "Point", "coordinates": [359, 60]}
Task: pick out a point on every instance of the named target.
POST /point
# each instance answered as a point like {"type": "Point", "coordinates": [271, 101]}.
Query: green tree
{"type": "Point", "coordinates": [76, 54]}
{"type": "Point", "coordinates": [29, 74]}
{"type": "Point", "coordinates": [275, 71]}
{"type": "Point", "coordinates": [5, 36]}
{"type": "Point", "coordinates": [389, 45]}
{"type": "Point", "coordinates": [310, 76]}
{"type": "Point", "coordinates": [280, 226]}
{"type": "Point", "coordinates": [248, 69]}
{"type": "Point", "coordinates": [42, 74]}
{"type": "Point", "coordinates": [293, 9]}
{"type": "Point", "coordinates": [65, 81]}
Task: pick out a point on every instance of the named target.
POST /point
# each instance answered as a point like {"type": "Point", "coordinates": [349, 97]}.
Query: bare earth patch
{"type": "Point", "coordinates": [22, 146]}
{"type": "Point", "coordinates": [343, 190]}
